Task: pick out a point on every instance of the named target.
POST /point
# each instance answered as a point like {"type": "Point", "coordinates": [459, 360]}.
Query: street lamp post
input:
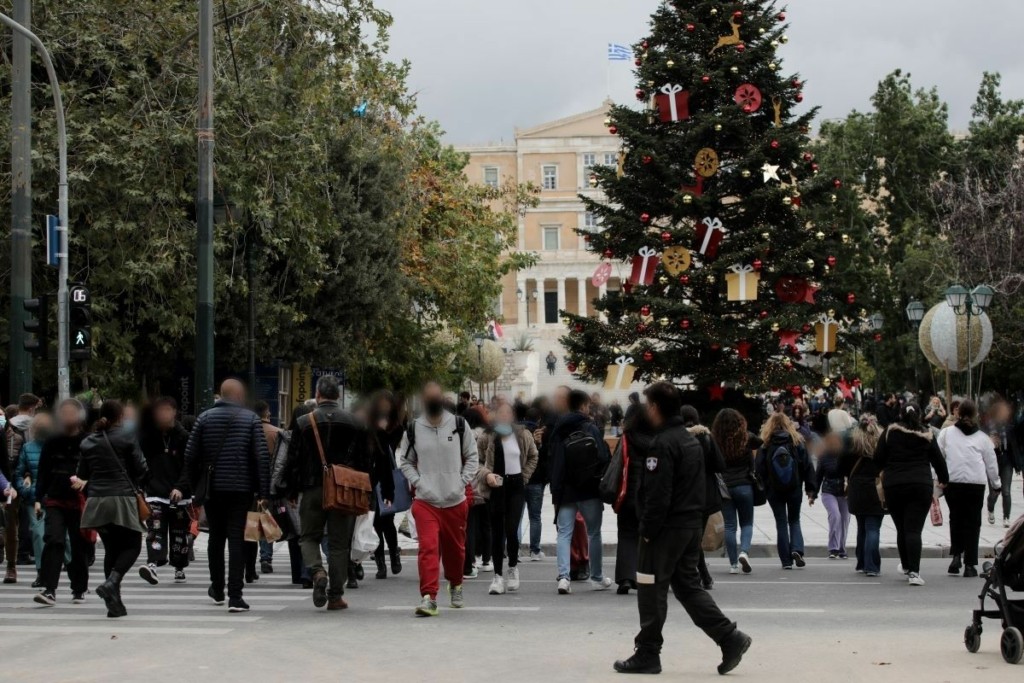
{"type": "Point", "coordinates": [204, 213]}
{"type": "Point", "coordinates": [479, 339]}
{"type": "Point", "coordinates": [915, 314]}
{"type": "Point", "coordinates": [877, 322]}
{"type": "Point", "coordinates": [63, 343]}
{"type": "Point", "coordinates": [521, 295]}
{"type": "Point", "coordinates": [971, 304]}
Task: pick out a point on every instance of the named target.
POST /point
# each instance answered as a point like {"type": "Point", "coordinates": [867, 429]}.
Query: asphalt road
{"type": "Point", "coordinates": [821, 622]}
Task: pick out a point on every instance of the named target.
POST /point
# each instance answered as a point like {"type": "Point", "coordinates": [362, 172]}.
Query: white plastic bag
{"type": "Point", "coordinates": [364, 538]}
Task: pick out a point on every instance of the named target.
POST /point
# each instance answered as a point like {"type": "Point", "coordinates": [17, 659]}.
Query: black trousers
{"type": "Point", "coordinates": [64, 523]}
{"type": "Point", "coordinates": [908, 506]}
{"type": "Point", "coordinates": [628, 530]}
{"type": "Point", "coordinates": [167, 535]}
{"type": "Point", "coordinates": [478, 535]}
{"type": "Point", "coordinates": [507, 503]}
{"type": "Point", "coordinates": [225, 513]}
{"type": "Point", "coordinates": [670, 561]}
{"type": "Point", "coordinates": [384, 525]}
{"type": "Point", "coordinates": [966, 502]}
{"type": "Point", "coordinates": [122, 547]}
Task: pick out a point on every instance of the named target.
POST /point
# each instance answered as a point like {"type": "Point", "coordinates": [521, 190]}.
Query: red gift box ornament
{"type": "Point", "coordinates": [601, 275]}
{"type": "Point", "coordinates": [709, 236]}
{"type": "Point", "coordinates": [673, 103]}
{"type": "Point", "coordinates": [644, 264]}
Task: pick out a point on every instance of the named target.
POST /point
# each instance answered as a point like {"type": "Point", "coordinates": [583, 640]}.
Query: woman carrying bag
{"type": "Point", "coordinates": [387, 426]}
{"type": "Point", "coordinates": [111, 471]}
{"type": "Point", "coordinates": [730, 433]}
{"type": "Point", "coordinates": [857, 464]}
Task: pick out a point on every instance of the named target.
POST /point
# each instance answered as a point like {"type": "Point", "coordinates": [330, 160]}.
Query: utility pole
{"type": "Point", "coordinates": [21, 201]}
{"type": "Point", "coordinates": [204, 214]}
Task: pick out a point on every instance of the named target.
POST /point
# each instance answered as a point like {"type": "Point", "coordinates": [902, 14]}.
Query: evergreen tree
{"type": "Point", "coordinates": [747, 259]}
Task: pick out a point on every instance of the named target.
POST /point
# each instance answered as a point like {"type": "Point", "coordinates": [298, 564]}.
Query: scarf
{"type": "Point", "coordinates": [967, 428]}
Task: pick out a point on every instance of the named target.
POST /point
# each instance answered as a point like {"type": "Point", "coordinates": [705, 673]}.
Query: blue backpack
{"type": "Point", "coordinates": [783, 470]}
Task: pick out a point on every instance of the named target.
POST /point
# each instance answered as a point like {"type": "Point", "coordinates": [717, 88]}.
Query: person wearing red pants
{"type": "Point", "coordinates": [439, 458]}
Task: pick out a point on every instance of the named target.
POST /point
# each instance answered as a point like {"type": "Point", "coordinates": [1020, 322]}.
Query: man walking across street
{"type": "Point", "coordinates": [328, 436]}
{"type": "Point", "coordinates": [227, 466]}
{"type": "Point", "coordinates": [439, 458]}
{"type": "Point", "coordinates": [671, 502]}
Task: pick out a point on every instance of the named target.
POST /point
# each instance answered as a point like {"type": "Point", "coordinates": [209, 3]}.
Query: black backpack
{"type": "Point", "coordinates": [582, 460]}
{"type": "Point", "coordinates": [783, 469]}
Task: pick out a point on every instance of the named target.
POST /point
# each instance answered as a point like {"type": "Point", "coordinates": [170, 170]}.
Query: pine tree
{"type": "Point", "coordinates": [718, 148]}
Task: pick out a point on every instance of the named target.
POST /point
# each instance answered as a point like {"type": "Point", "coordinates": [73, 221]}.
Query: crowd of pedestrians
{"type": "Point", "coordinates": [473, 477]}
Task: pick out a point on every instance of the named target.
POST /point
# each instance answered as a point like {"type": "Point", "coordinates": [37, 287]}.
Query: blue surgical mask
{"type": "Point", "coordinates": [503, 429]}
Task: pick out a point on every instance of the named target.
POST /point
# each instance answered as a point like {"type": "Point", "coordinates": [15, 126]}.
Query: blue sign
{"type": "Point", "coordinates": [52, 241]}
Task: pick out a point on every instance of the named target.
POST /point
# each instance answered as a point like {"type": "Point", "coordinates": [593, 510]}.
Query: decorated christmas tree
{"type": "Point", "coordinates": [736, 264]}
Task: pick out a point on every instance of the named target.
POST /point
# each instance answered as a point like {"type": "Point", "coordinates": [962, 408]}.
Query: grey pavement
{"type": "Point", "coordinates": [822, 623]}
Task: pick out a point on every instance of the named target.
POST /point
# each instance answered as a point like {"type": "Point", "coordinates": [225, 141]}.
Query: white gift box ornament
{"type": "Point", "coordinates": [742, 282]}
{"type": "Point", "coordinates": [620, 373]}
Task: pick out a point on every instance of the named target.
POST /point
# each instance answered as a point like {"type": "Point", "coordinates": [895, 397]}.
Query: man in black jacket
{"type": "Point", "coordinates": [227, 453]}
{"type": "Point", "coordinates": [342, 441]}
{"type": "Point", "coordinates": [672, 502]}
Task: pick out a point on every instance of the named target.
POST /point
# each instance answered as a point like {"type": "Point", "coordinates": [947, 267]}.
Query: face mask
{"type": "Point", "coordinates": [503, 429]}
{"type": "Point", "coordinates": [434, 407]}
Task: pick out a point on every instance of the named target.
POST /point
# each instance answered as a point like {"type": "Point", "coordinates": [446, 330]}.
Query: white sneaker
{"type": "Point", "coordinates": [537, 557]}
{"type": "Point", "coordinates": [564, 587]}
{"type": "Point", "coordinates": [899, 569]}
{"type": "Point", "coordinates": [497, 586]}
{"type": "Point", "coordinates": [513, 579]}
{"type": "Point", "coordinates": [602, 585]}
{"type": "Point", "coordinates": [148, 573]}
{"type": "Point", "coordinates": [991, 518]}
{"type": "Point", "coordinates": [745, 563]}
{"type": "Point", "coordinates": [1006, 522]}
{"type": "Point", "coordinates": [486, 567]}
{"type": "Point", "coordinates": [734, 569]}
{"type": "Point", "coordinates": [915, 579]}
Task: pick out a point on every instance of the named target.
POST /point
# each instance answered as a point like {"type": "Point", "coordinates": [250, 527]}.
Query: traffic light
{"type": "Point", "coordinates": [38, 324]}
{"type": "Point", "coordinates": [80, 330]}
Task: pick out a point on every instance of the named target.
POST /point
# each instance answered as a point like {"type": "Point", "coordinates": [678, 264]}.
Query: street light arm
{"type": "Point", "coordinates": [63, 343]}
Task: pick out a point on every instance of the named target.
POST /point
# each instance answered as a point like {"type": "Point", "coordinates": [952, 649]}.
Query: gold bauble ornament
{"type": "Point", "coordinates": [787, 200]}
{"type": "Point", "coordinates": [687, 199]}
{"type": "Point", "coordinates": [820, 235]}
{"type": "Point", "coordinates": [581, 368]}
{"type": "Point", "coordinates": [761, 31]}
{"type": "Point", "coordinates": [711, 279]}
{"type": "Point", "coordinates": [864, 313]}
{"type": "Point", "coordinates": [826, 382]}
{"type": "Point", "coordinates": [846, 238]}
{"type": "Point", "coordinates": [718, 127]}
{"type": "Point", "coordinates": [766, 236]}
{"type": "Point", "coordinates": [787, 363]}
{"type": "Point", "coordinates": [773, 66]}
{"type": "Point", "coordinates": [714, 11]}
{"type": "Point", "coordinates": [664, 322]}
{"type": "Point", "coordinates": [745, 173]}
{"type": "Point", "coordinates": [663, 280]}
{"type": "Point", "coordinates": [607, 122]}
{"type": "Point", "coordinates": [775, 43]}
{"type": "Point", "coordinates": [616, 350]}
{"type": "Point", "coordinates": [670, 64]}
{"type": "Point", "coordinates": [834, 199]}
{"type": "Point", "coordinates": [810, 263]}
{"type": "Point", "coordinates": [775, 327]}
{"type": "Point", "coordinates": [645, 56]}
{"type": "Point", "coordinates": [650, 84]}
{"type": "Point", "coordinates": [784, 38]}
{"type": "Point", "coordinates": [828, 270]}
{"type": "Point", "coordinates": [735, 69]}
{"type": "Point", "coordinates": [831, 312]}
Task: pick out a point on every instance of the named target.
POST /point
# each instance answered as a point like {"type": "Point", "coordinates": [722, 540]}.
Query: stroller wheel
{"type": "Point", "coordinates": [1012, 645]}
{"type": "Point", "coordinates": [972, 638]}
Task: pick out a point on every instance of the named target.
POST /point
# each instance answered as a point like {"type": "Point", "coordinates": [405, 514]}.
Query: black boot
{"type": "Point", "coordinates": [733, 649]}
{"type": "Point", "coordinates": [954, 566]}
{"type": "Point", "coordinates": [382, 567]}
{"type": "Point", "coordinates": [639, 663]}
{"type": "Point", "coordinates": [396, 561]}
{"type": "Point", "coordinates": [110, 591]}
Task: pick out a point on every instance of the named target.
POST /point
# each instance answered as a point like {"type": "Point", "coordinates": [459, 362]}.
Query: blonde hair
{"type": "Point", "coordinates": [864, 437]}
{"type": "Point", "coordinates": [779, 422]}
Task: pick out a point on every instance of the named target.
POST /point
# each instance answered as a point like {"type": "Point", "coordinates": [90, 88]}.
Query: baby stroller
{"type": "Point", "coordinates": [1003, 575]}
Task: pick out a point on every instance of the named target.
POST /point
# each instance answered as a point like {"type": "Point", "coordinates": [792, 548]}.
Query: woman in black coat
{"type": "Point", "coordinates": [857, 464]}
{"type": "Point", "coordinates": [638, 436]}
{"type": "Point", "coordinates": [906, 455]}
{"type": "Point", "coordinates": [387, 426]}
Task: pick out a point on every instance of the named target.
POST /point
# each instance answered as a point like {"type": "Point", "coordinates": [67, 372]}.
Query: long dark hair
{"type": "Point", "coordinates": [910, 417]}
{"type": "Point", "coordinates": [968, 413]}
{"type": "Point", "coordinates": [374, 413]}
{"type": "Point", "coordinates": [110, 414]}
{"type": "Point", "coordinates": [729, 430]}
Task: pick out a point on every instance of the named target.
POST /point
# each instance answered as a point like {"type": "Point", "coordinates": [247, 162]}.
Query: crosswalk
{"type": "Point", "coordinates": [165, 609]}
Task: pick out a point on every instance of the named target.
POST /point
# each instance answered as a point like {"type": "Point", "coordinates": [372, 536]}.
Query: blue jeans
{"type": "Point", "coordinates": [742, 506]}
{"type": "Point", "coordinates": [869, 529]}
{"type": "Point", "coordinates": [534, 507]}
{"type": "Point", "coordinates": [266, 551]}
{"type": "Point", "coordinates": [787, 525]}
{"type": "Point", "coordinates": [593, 512]}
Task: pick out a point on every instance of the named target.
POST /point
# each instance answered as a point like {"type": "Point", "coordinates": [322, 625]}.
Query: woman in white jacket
{"type": "Point", "coordinates": [971, 460]}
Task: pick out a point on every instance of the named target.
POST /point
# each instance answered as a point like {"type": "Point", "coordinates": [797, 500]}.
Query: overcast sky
{"type": "Point", "coordinates": [483, 67]}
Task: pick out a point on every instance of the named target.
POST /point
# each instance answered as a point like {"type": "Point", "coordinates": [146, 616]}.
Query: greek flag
{"type": "Point", "coordinates": [619, 53]}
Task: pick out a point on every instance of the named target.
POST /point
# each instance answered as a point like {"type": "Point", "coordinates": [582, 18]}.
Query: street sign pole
{"type": "Point", "coordinates": [63, 371]}
{"type": "Point", "coordinates": [21, 201]}
{"type": "Point", "coordinates": [204, 214]}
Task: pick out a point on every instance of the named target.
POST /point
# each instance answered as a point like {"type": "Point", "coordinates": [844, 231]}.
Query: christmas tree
{"type": "Point", "coordinates": [736, 264]}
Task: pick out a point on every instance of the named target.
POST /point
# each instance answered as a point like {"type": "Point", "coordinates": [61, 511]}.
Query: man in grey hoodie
{"type": "Point", "coordinates": [439, 458]}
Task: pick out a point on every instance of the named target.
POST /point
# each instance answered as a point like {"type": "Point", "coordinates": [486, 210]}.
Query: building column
{"type": "Point", "coordinates": [523, 303]}
{"type": "Point", "coordinates": [561, 294]}
{"type": "Point", "coordinates": [581, 296]}
{"type": "Point", "coordinates": [602, 291]}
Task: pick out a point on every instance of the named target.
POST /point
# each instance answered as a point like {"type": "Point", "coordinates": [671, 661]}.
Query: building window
{"type": "Point", "coordinates": [551, 237]}
{"type": "Point", "coordinates": [550, 174]}
{"type": "Point", "coordinates": [589, 162]}
{"type": "Point", "coordinates": [611, 159]}
{"type": "Point", "coordinates": [591, 221]}
{"type": "Point", "coordinates": [491, 176]}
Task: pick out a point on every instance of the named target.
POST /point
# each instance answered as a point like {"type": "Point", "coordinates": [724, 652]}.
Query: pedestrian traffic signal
{"type": "Point", "coordinates": [37, 325]}
{"type": "Point", "coordinates": [80, 330]}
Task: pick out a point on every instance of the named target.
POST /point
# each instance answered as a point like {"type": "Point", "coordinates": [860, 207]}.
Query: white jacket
{"type": "Point", "coordinates": [969, 458]}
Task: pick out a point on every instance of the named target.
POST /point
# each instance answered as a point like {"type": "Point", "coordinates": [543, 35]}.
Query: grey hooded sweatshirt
{"type": "Point", "coordinates": [437, 466]}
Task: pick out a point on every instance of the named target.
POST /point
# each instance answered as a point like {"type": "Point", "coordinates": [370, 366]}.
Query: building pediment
{"type": "Point", "coordinates": [587, 124]}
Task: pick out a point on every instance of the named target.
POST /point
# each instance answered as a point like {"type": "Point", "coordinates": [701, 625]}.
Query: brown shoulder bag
{"type": "Point", "coordinates": [345, 489]}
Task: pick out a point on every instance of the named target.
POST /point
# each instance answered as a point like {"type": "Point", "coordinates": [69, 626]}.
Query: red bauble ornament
{"type": "Point", "coordinates": [741, 47]}
{"type": "Point", "coordinates": [690, 28]}
{"type": "Point", "coordinates": [799, 97]}
{"type": "Point", "coordinates": [762, 315]}
{"type": "Point", "coordinates": [837, 183]}
{"type": "Point", "coordinates": [831, 261]}
{"type": "Point", "coordinates": [571, 367]}
{"type": "Point", "coordinates": [586, 238]}
{"type": "Point", "coordinates": [613, 130]}
{"type": "Point", "coordinates": [684, 279]}
{"type": "Point", "coordinates": [737, 14]}
{"type": "Point", "coordinates": [815, 167]}
{"type": "Point", "coordinates": [685, 324]}
{"type": "Point", "coordinates": [648, 356]}
{"type": "Point", "coordinates": [648, 159]}
{"type": "Point", "coordinates": [579, 328]}
{"type": "Point", "coordinates": [645, 310]}
{"type": "Point", "coordinates": [878, 336]}
{"type": "Point", "coordinates": [641, 95]}
{"type": "Point", "coordinates": [644, 45]}
{"type": "Point", "coordinates": [645, 218]}
{"type": "Point", "coordinates": [806, 328]}
{"type": "Point", "coordinates": [758, 264]}
{"type": "Point", "coordinates": [705, 79]}
{"type": "Point", "coordinates": [641, 328]}
{"type": "Point", "coordinates": [851, 298]}
{"type": "Point", "coordinates": [608, 253]}
{"type": "Point", "coordinates": [775, 144]}
{"type": "Point", "coordinates": [666, 237]}
{"type": "Point", "coordinates": [716, 347]}
{"type": "Point", "coordinates": [808, 157]}
{"type": "Point", "coordinates": [638, 62]}
{"type": "Point", "coordinates": [782, 16]}
{"type": "Point", "coordinates": [796, 83]}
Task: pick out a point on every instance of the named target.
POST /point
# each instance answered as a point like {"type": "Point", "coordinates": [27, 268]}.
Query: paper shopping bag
{"type": "Point", "coordinates": [252, 526]}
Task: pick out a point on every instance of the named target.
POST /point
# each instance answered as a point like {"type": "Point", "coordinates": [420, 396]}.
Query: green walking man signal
{"type": "Point", "coordinates": [80, 330]}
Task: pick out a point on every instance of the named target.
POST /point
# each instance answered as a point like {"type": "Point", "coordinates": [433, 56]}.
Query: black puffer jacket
{"type": "Point", "coordinates": [673, 494]}
{"type": "Point", "coordinates": [107, 457]}
{"type": "Point", "coordinates": [906, 456]}
{"type": "Point", "coordinates": [230, 438]}
{"type": "Point", "coordinates": [862, 492]}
